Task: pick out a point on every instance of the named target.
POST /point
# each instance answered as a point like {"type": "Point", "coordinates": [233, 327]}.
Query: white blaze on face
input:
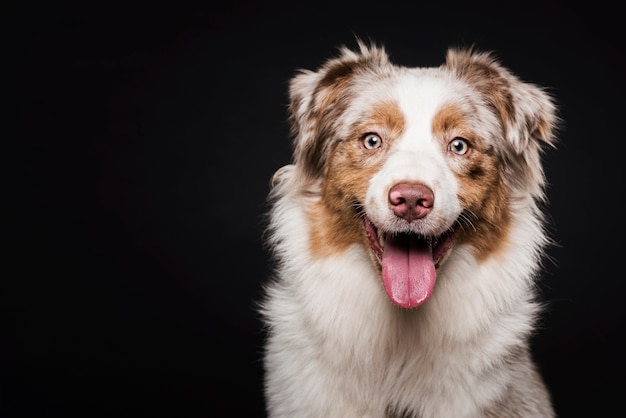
{"type": "Point", "coordinates": [416, 157]}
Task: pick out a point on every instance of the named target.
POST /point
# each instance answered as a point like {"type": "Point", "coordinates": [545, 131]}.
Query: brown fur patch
{"type": "Point", "coordinates": [451, 121]}
{"type": "Point", "coordinates": [482, 191]}
{"type": "Point", "coordinates": [330, 99]}
{"type": "Point", "coordinates": [336, 219]}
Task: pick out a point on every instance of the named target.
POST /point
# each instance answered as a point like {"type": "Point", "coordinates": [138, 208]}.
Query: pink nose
{"type": "Point", "coordinates": [411, 200]}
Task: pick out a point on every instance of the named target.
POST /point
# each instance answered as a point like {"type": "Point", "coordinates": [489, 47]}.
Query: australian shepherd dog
{"type": "Point", "coordinates": [407, 236]}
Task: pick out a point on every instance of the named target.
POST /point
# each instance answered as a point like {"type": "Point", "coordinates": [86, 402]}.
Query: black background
{"type": "Point", "coordinates": [141, 140]}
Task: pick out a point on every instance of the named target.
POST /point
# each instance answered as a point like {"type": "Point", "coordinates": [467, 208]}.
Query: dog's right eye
{"type": "Point", "coordinates": [372, 141]}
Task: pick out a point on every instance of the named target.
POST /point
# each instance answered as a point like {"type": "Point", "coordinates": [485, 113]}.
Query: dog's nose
{"type": "Point", "coordinates": [411, 200]}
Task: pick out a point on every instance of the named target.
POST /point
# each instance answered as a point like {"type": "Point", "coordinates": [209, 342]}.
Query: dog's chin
{"type": "Point", "coordinates": [408, 262]}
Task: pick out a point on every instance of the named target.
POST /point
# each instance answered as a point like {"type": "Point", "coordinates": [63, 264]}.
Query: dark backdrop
{"type": "Point", "coordinates": [140, 143]}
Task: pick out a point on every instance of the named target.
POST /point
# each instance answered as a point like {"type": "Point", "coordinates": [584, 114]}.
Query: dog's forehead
{"type": "Point", "coordinates": [419, 93]}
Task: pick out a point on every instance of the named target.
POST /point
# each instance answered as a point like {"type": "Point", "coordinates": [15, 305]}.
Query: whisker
{"type": "Point", "coordinates": [465, 219]}
{"type": "Point", "coordinates": [358, 208]}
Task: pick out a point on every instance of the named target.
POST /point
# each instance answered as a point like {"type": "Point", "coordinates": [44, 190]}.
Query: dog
{"type": "Point", "coordinates": [406, 239]}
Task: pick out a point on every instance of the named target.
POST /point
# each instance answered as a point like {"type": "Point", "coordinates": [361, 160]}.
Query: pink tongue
{"type": "Point", "coordinates": [408, 271]}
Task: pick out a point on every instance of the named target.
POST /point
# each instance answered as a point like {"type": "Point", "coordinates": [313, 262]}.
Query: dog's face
{"type": "Point", "coordinates": [411, 162]}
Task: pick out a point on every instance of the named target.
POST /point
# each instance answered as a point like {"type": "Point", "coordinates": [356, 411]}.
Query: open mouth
{"type": "Point", "coordinates": [409, 263]}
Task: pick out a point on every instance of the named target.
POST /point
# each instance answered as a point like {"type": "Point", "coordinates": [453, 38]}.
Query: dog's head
{"type": "Point", "coordinates": [410, 162]}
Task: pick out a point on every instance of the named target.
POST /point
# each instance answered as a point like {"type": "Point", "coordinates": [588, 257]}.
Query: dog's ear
{"type": "Point", "coordinates": [317, 100]}
{"type": "Point", "coordinates": [527, 113]}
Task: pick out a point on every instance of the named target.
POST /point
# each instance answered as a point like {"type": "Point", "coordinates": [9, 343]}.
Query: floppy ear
{"type": "Point", "coordinates": [302, 90]}
{"type": "Point", "coordinates": [317, 101]}
{"type": "Point", "coordinates": [527, 114]}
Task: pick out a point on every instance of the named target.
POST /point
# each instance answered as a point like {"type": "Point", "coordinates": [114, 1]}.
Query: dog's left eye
{"type": "Point", "coordinates": [372, 141]}
{"type": "Point", "coordinates": [459, 146]}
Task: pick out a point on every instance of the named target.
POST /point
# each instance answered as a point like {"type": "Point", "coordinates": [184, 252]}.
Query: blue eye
{"type": "Point", "coordinates": [459, 146]}
{"type": "Point", "coordinates": [372, 141]}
